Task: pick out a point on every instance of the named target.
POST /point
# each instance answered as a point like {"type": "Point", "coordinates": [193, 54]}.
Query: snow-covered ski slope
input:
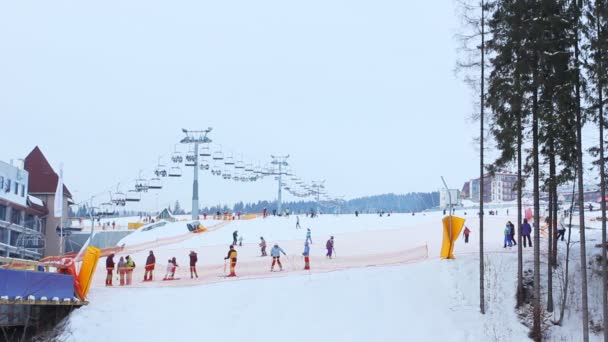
{"type": "Point", "coordinates": [406, 297]}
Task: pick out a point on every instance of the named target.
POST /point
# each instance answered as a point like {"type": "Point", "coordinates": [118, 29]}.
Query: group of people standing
{"type": "Point", "coordinates": [124, 271]}
{"type": "Point", "coordinates": [509, 233]}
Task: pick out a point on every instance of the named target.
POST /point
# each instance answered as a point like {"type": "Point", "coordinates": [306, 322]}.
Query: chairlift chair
{"type": "Point", "coordinates": [218, 155]}
{"type": "Point", "coordinates": [161, 170]}
{"type": "Point", "coordinates": [118, 198]}
{"type": "Point", "coordinates": [177, 157]}
{"type": "Point", "coordinates": [106, 209]}
{"type": "Point", "coordinates": [155, 184]}
{"type": "Point", "coordinates": [141, 185]}
{"type": "Point", "coordinates": [205, 151]}
{"type": "Point", "coordinates": [175, 171]}
{"type": "Point", "coordinates": [190, 158]}
{"type": "Point", "coordinates": [133, 196]}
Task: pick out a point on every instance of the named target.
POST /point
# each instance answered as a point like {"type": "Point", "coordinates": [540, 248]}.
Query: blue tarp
{"type": "Point", "coordinates": [15, 283]}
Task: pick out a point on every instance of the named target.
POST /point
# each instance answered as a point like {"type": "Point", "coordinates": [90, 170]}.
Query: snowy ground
{"type": "Point", "coordinates": [404, 297]}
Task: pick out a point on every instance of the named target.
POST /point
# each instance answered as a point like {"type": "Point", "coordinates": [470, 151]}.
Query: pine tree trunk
{"type": "Point", "coordinates": [581, 199]}
{"type": "Point", "coordinates": [482, 306]}
{"type": "Point", "coordinates": [520, 266]}
{"type": "Point", "coordinates": [550, 228]}
{"type": "Point", "coordinates": [536, 319]}
{"type": "Point", "coordinates": [600, 88]}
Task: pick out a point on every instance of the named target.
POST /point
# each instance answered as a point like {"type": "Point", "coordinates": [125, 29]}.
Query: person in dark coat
{"type": "Point", "coordinates": [110, 269]}
{"type": "Point", "coordinates": [330, 247]}
{"type": "Point", "coordinates": [193, 260]}
{"type": "Point", "coordinates": [467, 231]}
{"type": "Point", "coordinates": [150, 263]}
{"type": "Point", "coordinates": [235, 236]}
{"type": "Point", "coordinates": [526, 230]}
{"type": "Point", "coordinates": [512, 233]}
{"type": "Point", "coordinates": [175, 266]}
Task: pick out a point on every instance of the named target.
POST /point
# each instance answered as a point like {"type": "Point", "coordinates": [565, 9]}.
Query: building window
{"type": "Point", "coordinates": [3, 235]}
{"type": "Point", "coordinates": [2, 213]}
{"type": "Point", "coordinates": [16, 188]}
{"type": "Point", "coordinates": [1, 182]}
{"type": "Point", "coordinates": [29, 221]}
{"type": "Point", "coordinates": [16, 216]}
{"type": "Point", "coordinates": [7, 185]}
{"type": "Point", "coordinates": [22, 190]}
{"type": "Point", "coordinates": [14, 238]}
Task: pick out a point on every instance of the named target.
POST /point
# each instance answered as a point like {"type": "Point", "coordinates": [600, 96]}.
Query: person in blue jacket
{"type": "Point", "coordinates": [308, 236]}
{"type": "Point", "coordinates": [507, 233]}
{"type": "Point", "coordinates": [306, 255]}
{"type": "Point", "coordinates": [275, 253]}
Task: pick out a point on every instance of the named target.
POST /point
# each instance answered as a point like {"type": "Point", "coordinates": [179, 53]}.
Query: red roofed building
{"type": "Point", "coordinates": [43, 184]}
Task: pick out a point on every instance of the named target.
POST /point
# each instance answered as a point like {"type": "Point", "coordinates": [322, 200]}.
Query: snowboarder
{"type": "Point", "coordinates": [526, 230]}
{"type": "Point", "coordinates": [235, 236]}
{"type": "Point", "coordinates": [122, 270]}
{"type": "Point", "coordinates": [507, 236]}
{"type": "Point", "coordinates": [298, 222]}
{"type": "Point", "coordinates": [110, 269]}
{"type": "Point", "coordinates": [306, 255]}
{"type": "Point", "coordinates": [330, 247]}
{"type": "Point", "coordinates": [263, 246]}
{"type": "Point", "coordinates": [129, 268]}
{"type": "Point", "coordinates": [232, 254]}
{"type": "Point", "coordinates": [467, 231]}
{"type": "Point", "coordinates": [193, 260]}
{"type": "Point", "coordinates": [512, 233]}
{"type": "Point", "coordinates": [308, 236]}
{"type": "Point", "coordinates": [170, 269]}
{"type": "Point", "coordinates": [150, 262]}
{"type": "Point", "coordinates": [275, 253]}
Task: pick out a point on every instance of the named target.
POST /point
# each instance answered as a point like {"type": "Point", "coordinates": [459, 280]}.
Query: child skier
{"type": "Point", "coordinates": [263, 246]}
{"type": "Point", "coordinates": [467, 231]}
{"type": "Point", "coordinates": [170, 268]}
{"type": "Point", "coordinates": [150, 262]}
{"type": "Point", "coordinates": [175, 266]}
{"type": "Point", "coordinates": [130, 266]}
{"type": "Point", "coordinates": [306, 255]}
{"type": "Point", "coordinates": [330, 247]}
{"type": "Point", "coordinates": [298, 222]}
{"type": "Point", "coordinates": [122, 270]}
{"type": "Point", "coordinates": [508, 236]}
{"type": "Point", "coordinates": [275, 253]}
{"type": "Point", "coordinates": [110, 269]}
{"type": "Point", "coordinates": [193, 260]}
{"type": "Point", "coordinates": [308, 236]}
{"type": "Point", "coordinates": [232, 254]}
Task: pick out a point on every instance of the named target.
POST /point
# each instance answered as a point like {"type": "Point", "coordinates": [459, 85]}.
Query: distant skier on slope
{"type": "Point", "coordinates": [235, 236]}
{"type": "Point", "coordinates": [467, 231]}
{"type": "Point", "coordinates": [306, 255]}
{"type": "Point", "coordinates": [150, 262]}
{"type": "Point", "coordinates": [275, 252]}
{"type": "Point", "coordinates": [298, 222]}
{"type": "Point", "coordinates": [263, 246]}
{"type": "Point", "coordinates": [170, 267]}
{"type": "Point", "coordinates": [175, 266]}
{"type": "Point", "coordinates": [193, 259]}
{"type": "Point", "coordinates": [526, 230]}
{"type": "Point", "coordinates": [308, 236]}
{"type": "Point", "coordinates": [232, 254]}
{"type": "Point", "coordinates": [110, 269]}
{"type": "Point", "coordinates": [330, 247]}
{"type": "Point", "coordinates": [122, 270]}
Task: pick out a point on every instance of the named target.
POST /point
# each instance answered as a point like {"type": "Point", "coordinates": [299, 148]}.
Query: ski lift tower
{"type": "Point", "coordinates": [280, 161]}
{"type": "Point", "coordinates": [195, 137]}
{"type": "Point", "coordinates": [319, 187]}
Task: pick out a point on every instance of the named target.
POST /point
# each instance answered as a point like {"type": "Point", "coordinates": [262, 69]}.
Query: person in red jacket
{"type": "Point", "coordinates": [467, 231]}
{"type": "Point", "coordinates": [150, 263]}
{"type": "Point", "coordinates": [110, 269]}
{"type": "Point", "coordinates": [232, 254]}
{"type": "Point", "coordinates": [193, 260]}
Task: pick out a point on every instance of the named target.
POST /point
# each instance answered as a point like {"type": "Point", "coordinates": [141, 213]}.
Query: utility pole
{"type": "Point", "coordinates": [195, 137]}
{"type": "Point", "coordinates": [280, 161]}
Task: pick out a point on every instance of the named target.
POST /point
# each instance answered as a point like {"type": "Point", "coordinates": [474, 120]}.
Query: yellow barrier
{"type": "Point", "coordinates": [89, 263]}
{"type": "Point", "coordinates": [249, 217]}
{"type": "Point", "coordinates": [135, 225]}
{"type": "Point", "coordinates": [447, 247]}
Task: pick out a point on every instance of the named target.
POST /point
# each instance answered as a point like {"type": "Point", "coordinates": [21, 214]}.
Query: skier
{"type": "Point", "coordinates": [150, 262]}
{"type": "Point", "coordinates": [308, 236]}
{"type": "Point", "coordinates": [122, 270]}
{"type": "Point", "coordinates": [512, 233]}
{"type": "Point", "coordinates": [263, 246]}
{"type": "Point", "coordinates": [467, 231]}
{"type": "Point", "coordinates": [113, 225]}
{"type": "Point", "coordinates": [170, 267]}
{"type": "Point", "coordinates": [241, 241]}
{"type": "Point", "coordinates": [130, 266]}
{"type": "Point", "coordinates": [507, 236]}
{"type": "Point", "coordinates": [275, 253]}
{"type": "Point", "coordinates": [110, 269]}
{"type": "Point", "coordinates": [235, 236]}
{"type": "Point", "coordinates": [175, 266]}
{"type": "Point", "coordinates": [193, 260]}
{"type": "Point", "coordinates": [232, 254]}
{"type": "Point", "coordinates": [330, 247]}
{"type": "Point", "coordinates": [265, 213]}
{"type": "Point", "coordinates": [306, 255]}
{"type": "Point", "coordinates": [526, 230]}
{"type": "Point", "coordinates": [356, 213]}
{"type": "Point", "coordinates": [298, 222]}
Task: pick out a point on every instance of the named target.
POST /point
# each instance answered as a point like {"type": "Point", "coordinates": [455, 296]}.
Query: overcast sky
{"type": "Point", "coordinates": [359, 93]}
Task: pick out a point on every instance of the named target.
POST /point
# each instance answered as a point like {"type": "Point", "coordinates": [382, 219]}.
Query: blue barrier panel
{"type": "Point", "coordinates": [15, 283]}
